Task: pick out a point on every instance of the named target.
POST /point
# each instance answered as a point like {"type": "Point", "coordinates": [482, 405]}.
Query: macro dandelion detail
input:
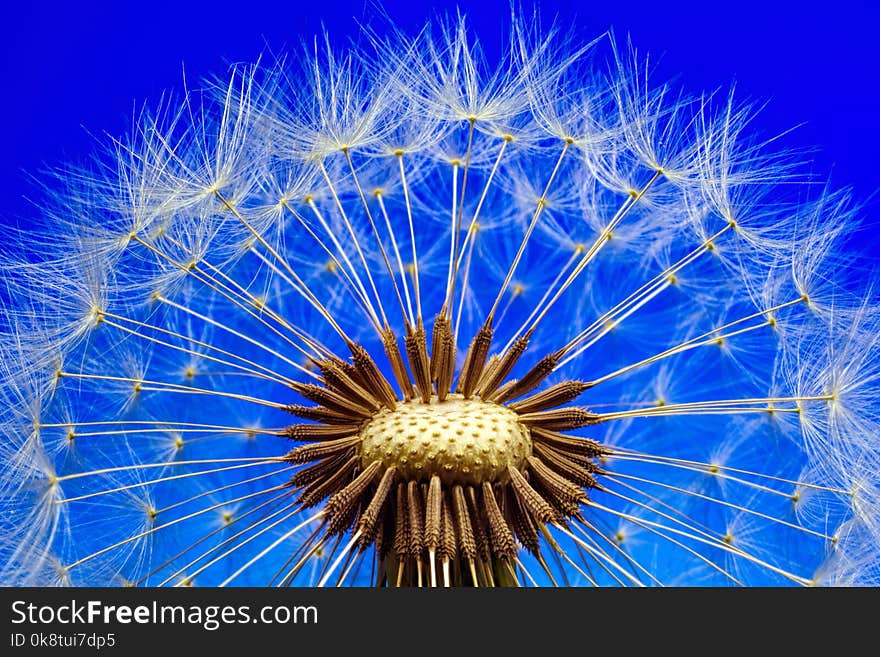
{"type": "Point", "coordinates": [401, 315]}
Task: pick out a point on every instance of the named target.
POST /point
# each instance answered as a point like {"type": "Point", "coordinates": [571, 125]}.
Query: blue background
{"type": "Point", "coordinates": [71, 69]}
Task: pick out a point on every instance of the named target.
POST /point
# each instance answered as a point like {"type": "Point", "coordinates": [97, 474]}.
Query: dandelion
{"type": "Point", "coordinates": [404, 316]}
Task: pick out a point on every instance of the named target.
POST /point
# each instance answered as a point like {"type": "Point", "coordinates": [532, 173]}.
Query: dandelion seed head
{"type": "Point", "coordinates": [407, 315]}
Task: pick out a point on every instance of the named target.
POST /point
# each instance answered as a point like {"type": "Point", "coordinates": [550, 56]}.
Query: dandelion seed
{"type": "Point", "coordinates": [403, 316]}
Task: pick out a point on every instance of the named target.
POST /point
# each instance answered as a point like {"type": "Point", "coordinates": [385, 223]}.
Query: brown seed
{"type": "Point", "coordinates": [324, 488]}
{"type": "Point", "coordinates": [503, 544]}
{"type": "Point", "coordinates": [392, 350]}
{"type": "Point", "coordinates": [433, 509]}
{"type": "Point", "coordinates": [369, 522]}
{"type": "Point", "coordinates": [370, 375]}
{"type": "Point", "coordinates": [506, 363]}
{"type": "Point", "coordinates": [475, 359]}
{"type": "Point", "coordinates": [559, 491]}
{"type": "Point", "coordinates": [349, 370]}
{"type": "Point", "coordinates": [321, 469]}
{"type": "Point", "coordinates": [336, 378]}
{"type": "Point", "coordinates": [556, 395]}
{"type": "Point", "coordinates": [448, 541]}
{"type": "Point", "coordinates": [321, 432]}
{"type": "Point", "coordinates": [529, 498]}
{"type": "Point", "coordinates": [523, 526]}
{"type": "Point", "coordinates": [463, 527]}
{"type": "Point", "coordinates": [501, 394]}
{"type": "Point", "coordinates": [479, 525]}
{"type": "Point", "coordinates": [532, 379]}
{"type": "Point", "coordinates": [560, 419]}
{"type": "Point", "coordinates": [332, 400]}
{"type": "Point", "coordinates": [401, 522]}
{"type": "Point", "coordinates": [321, 450]}
{"type": "Point", "coordinates": [416, 516]}
{"type": "Point", "coordinates": [341, 504]}
{"type": "Point", "coordinates": [318, 414]}
{"type": "Point", "coordinates": [442, 355]}
{"type": "Point", "coordinates": [490, 368]}
{"type": "Point", "coordinates": [568, 444]}
{"type": "Point", "coordinates": [417, 352]}
{"type": "Point", "coordinates": [565, 467]}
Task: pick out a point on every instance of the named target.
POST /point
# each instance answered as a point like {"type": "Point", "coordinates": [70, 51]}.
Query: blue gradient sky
{"type": "Point", "coordinates": [69, 70]}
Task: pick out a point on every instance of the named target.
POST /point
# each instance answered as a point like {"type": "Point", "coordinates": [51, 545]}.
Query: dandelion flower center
{"type": "Point", "coordinates": [448, 473]}
{"type": "Point", "coordinates": [460, 440]}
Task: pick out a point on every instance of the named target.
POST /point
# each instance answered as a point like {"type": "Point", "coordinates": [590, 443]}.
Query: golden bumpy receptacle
{"type": "Point", "coordinates": [464, 441]}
